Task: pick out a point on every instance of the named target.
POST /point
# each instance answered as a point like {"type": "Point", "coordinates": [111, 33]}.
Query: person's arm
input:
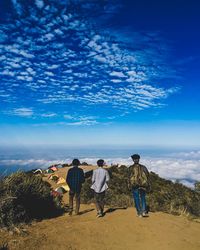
{"type": "Point", "coordinates": [130, 170]}
{"type": "Point", "coordinates": [146, 171]}
{"type": "Point", "coordinates": [107, 176]}
{"type": "Point", "coordinates": [93, 176]}
{"type": "Point", "coordinates": [130, 173]}
{"type": "Point", "coordinates": [68, 178]}
{"type": "Point", "coordinates": [82, 176]}
{"type": "Point", "coordinates": [148, 188]}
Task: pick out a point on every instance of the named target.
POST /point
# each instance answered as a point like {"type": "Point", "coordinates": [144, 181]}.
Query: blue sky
{"type": "Point", "coordinates": [99, 72]}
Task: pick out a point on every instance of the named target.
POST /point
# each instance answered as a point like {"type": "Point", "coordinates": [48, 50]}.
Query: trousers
{"type": "Point", "coordinates": [139, 196]}
{"type": "Point", "coordinates": [73, 195]}
{"type": "Point", "coordinates": [99, 200]}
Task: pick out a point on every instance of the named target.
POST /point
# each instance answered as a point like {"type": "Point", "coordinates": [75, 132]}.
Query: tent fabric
{"type": "Point", "coordinates": [60, 190]}
{"type": "Point", "coordinates": [54, 168]}
{"type": "Point", "coordinates": [49, 171]}
{"type": "Point", "coordinates": [55, 193]}
{"type": "Point", "coordinates": [61, 180]}
{"type": "Point", "coordinates": [54, 177]}
{"type": "Point", "coordinates": [65, 187]}
{"type": "Point", "coordinates": [37, 171]}
{"type": "Point", "coordinates": [59, 166]}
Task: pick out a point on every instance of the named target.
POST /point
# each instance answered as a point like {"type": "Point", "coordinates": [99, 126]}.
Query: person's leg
{"type": "Point", "coordinates": [77, 197]}
{"type": "Point", "coordinates": [102, 197]}
{"type": "Point", "coordinates": [143, 201]}
{"type": "Point", "coordinates": [97, 202]}
{"type": "Point", "coordinates": [71, 198]}
{"type": "Point", "coordinates": [137, 200]}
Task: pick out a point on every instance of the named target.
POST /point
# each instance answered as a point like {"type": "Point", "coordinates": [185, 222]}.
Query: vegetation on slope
{"type": "Point", "coordinates": [24, 197]}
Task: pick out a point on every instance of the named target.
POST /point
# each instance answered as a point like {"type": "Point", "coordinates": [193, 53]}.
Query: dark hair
{"type": "Point", "coordinates": [100, 162]}
{"type": "Point", "coordinates": [76, 162]}
{"type": "Point", "coordinates": [135, 156]}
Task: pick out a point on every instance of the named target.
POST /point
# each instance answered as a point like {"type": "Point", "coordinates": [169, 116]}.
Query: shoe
{"type": "Point", "coordinates": [102, 213]}
{"type": "Point", "coordinates": [70, 213]}
{"type": "Point", "coordinates": [99, 215]}
{"type": "Point", "coordinates": [144, 214]}
{"type": "Point", "coordinates": [139, 215]}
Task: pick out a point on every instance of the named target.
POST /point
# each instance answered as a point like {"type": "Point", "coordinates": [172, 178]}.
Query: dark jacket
{"type": "Point", "coordinates": [75, 178]}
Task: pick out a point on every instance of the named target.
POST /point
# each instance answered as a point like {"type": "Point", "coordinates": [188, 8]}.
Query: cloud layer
{"type": "Point", "coordinates": [186, 170]}
{"type": "Point", "coordinates": [55, 56]}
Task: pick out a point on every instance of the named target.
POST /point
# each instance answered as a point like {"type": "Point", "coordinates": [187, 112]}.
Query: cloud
{"type": "Point", "coordinates": [175, 168]}
{"type": "Point", "coordinates": [6, 166]}
{"type": "Point", "coordinates": [48, 115]}
{"type": "Point", "coordinates": [58, 57]}
{"type": "Point", "coordinates": [80, 120]}
{"type": "Point", "coordinates": [17, 6]}
{"type": "Point", "coordinates": [39, 4]}
{"type": "Point", "coordinates": [24, 112]}
{"type": "Point", "coordinates": [187, 155]}
{"type": "Point", "coordinates": [117, 74]}
{"type": "Point", "coordinates": [3, 36]}
{"type": "Point", "coordinates": [82, 123]}
{"type": "Point", "coordinates": [172, 168]}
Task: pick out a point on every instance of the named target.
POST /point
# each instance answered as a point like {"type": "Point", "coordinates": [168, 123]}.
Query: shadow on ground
{"type": "Point", "coordinates": [86, 211]}
{"type": "Point", "coordinates": [111, 210]}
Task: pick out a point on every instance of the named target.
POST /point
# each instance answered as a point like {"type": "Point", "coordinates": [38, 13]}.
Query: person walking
{"type": "Point", "coordinates": [100, 178]}
{"type": "Point", "coordinates": [139, 182]}
{"type": "Point", "coordinates": [75, 178]}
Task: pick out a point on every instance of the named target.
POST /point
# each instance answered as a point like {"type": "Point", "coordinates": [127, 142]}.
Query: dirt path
{"type": "Point", "coordinates": [118, 230]}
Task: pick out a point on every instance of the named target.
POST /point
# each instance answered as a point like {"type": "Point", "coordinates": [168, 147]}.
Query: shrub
{"type": "Point", "coordinates": [197, 186]}
{"type": "Point", "coordinates": [24, 197]}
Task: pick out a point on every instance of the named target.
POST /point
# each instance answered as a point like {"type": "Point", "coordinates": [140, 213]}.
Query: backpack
{"type": "Point", "coordinates": [139, 177]}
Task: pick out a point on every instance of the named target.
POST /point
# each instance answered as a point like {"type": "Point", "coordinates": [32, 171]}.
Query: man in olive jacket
{"type": "Point", "coordinates": [139, 182]}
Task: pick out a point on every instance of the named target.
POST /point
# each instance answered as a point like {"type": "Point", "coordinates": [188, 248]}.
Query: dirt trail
{"type": "Point", "coordinates": [119, 229]}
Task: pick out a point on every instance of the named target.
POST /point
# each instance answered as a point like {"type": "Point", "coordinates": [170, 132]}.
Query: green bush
{"type": "Point", "coordinates": [24, 197]}
{"type": "Point", "coordinates": [172, 197]}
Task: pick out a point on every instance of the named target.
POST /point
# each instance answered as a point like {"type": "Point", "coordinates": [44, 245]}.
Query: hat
{"type": "Point", "coordinates": [135, 156]}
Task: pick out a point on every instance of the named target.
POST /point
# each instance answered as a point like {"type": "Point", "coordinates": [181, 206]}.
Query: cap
{"type": "Point", "coordinates": [135, 156]}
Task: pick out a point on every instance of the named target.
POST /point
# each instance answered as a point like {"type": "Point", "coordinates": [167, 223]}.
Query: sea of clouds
{"type": "Point", "coordinates": [182, 166]}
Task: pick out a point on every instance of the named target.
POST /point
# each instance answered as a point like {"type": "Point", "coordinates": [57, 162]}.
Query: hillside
{"type": "Point", "coordinates": [118, 229]}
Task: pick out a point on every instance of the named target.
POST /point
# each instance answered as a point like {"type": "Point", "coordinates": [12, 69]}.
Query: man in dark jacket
{"type": "Point", "coordinates": [75, 179]}
{"type": "Point", "coordinates": [139, 181]}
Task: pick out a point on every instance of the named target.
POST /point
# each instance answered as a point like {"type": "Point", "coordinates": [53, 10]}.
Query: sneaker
{"type": "Point", "coordinates": [99, 215]}
{"type": "Point", "coordinates": [144, 214]}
